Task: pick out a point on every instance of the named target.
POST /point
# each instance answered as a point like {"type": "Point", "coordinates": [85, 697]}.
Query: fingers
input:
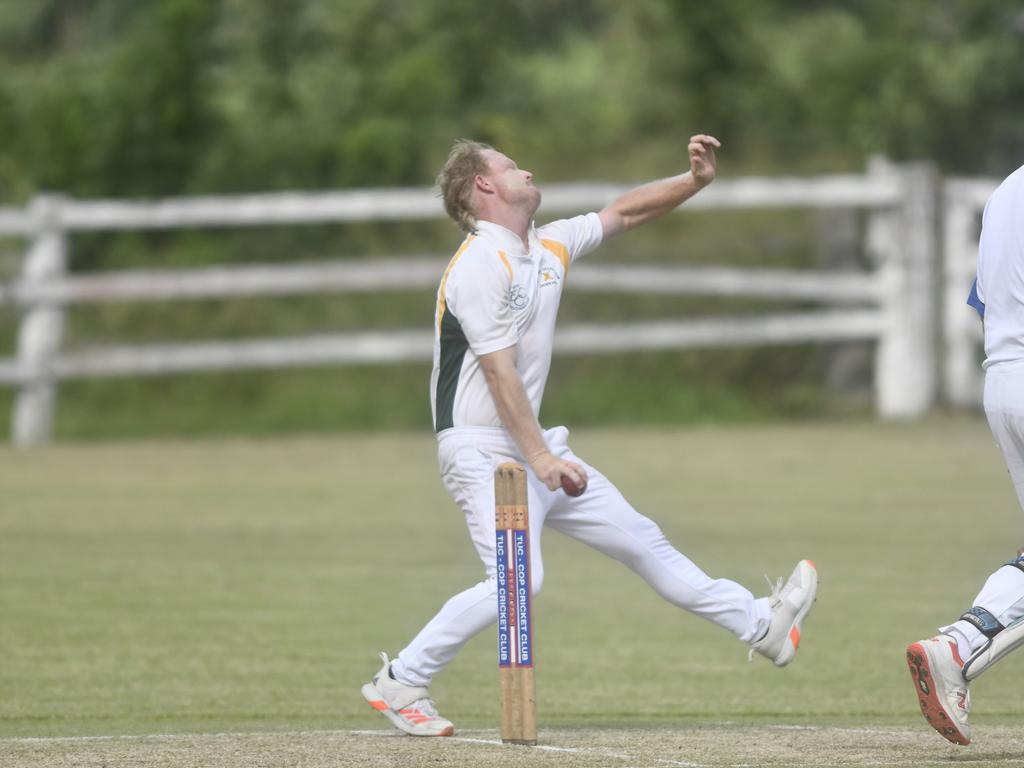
{"type": "Point", "coordinates": [576, 473]}
{"type": "Point", "coordinates": [573, 480]}
{"type": "Point", "coordinates": [553, 478]}
{"type": "Point", "coordinates": [703, 139]}
{"type": "Point", "coordinates": [698, 149]}
{"type": "Point", "coordinates": [702, 157]}
{"type": "Point", "coordinates": [550, 470]}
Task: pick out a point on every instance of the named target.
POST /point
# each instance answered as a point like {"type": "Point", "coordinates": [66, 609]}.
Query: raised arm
{"type": "Point", "coordinates": [518, 418]}
{"type": "Point", "coordinates": [650, 201]}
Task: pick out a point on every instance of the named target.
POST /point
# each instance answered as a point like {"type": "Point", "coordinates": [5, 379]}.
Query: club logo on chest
{"type": "Point", "coordinates": [548, 276]}
{"type": "Point", "coordinates": [518, 298]}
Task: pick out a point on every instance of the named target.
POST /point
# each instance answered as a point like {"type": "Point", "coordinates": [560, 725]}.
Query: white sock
{"type": "Point", "coordinates": [968, 638]}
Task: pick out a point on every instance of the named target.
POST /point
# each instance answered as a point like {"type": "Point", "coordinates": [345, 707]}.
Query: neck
{"type": "Point", "coordinates": [515, 221]}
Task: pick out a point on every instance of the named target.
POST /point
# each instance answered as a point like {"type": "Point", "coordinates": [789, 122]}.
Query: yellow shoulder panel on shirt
{"type": "Point", "coordinates": [504, 260]}
{"type": "Point", "coordinates": [444, 280]}
{"type": "Point", "coordinates": [560, 251]}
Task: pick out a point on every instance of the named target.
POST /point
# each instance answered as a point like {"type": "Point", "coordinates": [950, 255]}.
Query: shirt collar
{"type": "Point", "coordinates": [507, 240]}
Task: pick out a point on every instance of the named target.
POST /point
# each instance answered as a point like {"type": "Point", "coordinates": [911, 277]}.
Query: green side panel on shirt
{"type": "Point", "coordinates": [453, 351]}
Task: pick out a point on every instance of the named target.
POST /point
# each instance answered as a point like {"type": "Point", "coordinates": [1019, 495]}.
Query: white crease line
{"type": "Point", "coordinates": [383, 734]}
{"type": "Point", "coordinates": [583, 751]}
{"type": "Point", "coordinates": [56, 739]}
{"type": "Point", "coordinates": [872, 731]}
{"type": "Point", "coordinates": [550, 748]}
{"type": "Point", "coordinates": [235, 734]}
{"type": "Point", "coordinates": [169, 736]}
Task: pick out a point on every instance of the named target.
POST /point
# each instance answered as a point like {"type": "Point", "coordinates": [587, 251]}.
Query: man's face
{"type": "Point", "coordinates": [513, 185]}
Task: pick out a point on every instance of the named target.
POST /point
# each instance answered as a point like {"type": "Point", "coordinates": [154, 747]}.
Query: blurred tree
{"type": "Point", "coordinates": [913, 80]}
{"type": "Point", "coordinates": [120, 97]}
{"type": "Point", "coordinates": [108, 95]}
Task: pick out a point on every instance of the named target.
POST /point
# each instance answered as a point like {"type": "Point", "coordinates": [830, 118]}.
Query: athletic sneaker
{"type": "Point", "coordinates": [790, 603]}
{"type": "Point", "coordinates": [409, 707]}
{"type": "Point", "coordinates": [937, 672]}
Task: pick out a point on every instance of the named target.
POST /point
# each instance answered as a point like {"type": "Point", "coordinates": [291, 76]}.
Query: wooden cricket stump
{"type": "Point", "coordinates": [515, 624]}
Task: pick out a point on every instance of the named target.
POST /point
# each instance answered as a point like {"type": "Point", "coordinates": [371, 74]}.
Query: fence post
{"type": "Point", "coordinates": [905, 240]}
{"type": "Point", "coordinates": [962, 327]}
{"type": "Point", "coordinates": [838, 240]}
{"type": "Point", "coordinates": [41, 328]}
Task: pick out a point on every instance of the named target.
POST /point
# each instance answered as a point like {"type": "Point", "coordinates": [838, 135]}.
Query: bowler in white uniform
{"type": "Point", "coordinates": [496, 309]}
{"type": "Point", "coordinates": [943, 666]}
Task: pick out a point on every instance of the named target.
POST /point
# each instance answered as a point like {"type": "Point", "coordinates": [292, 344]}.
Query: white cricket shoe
{"type": "Point", "coordinates": [409, 707]}
{"type": "Point", "coordinates": [790, 603]}
{"type": "Point", "coordinates": [937, 671]}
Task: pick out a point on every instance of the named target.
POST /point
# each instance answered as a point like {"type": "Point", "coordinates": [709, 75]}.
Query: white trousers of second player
{"type": "Point", "coordinates": [600, 518]}
{"type": "Point", "coordinates": [1003, 592]}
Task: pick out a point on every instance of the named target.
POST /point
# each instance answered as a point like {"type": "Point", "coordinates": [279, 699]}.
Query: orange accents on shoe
{"type": "Point", "coordinates": [409, 707]}
{"type": "Point", "coordinates": [956, 652]}
{"type": "Point", "coordinates": [794, 637]}
{"type": "Point", "coordinates": [813, 564]}
{"type": "Point", "coordinates": [414, 715]}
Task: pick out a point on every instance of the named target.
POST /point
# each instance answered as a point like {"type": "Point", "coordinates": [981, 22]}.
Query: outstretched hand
{"type": "Point", "coordinates": [702, 158]}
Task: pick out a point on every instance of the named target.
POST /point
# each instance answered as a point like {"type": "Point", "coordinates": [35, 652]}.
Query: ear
{"type": "Point", "coordinates": [482, 184]}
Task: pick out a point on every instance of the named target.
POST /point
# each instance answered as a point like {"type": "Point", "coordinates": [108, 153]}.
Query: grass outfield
{"type": "Point", "coordinates": [238, 587]}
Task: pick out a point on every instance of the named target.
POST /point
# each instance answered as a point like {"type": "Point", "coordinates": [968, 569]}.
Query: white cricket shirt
{"type": "Point", "coordinates": [495, 294]}
{"type": "Point", "coordinates": [1000, 283]}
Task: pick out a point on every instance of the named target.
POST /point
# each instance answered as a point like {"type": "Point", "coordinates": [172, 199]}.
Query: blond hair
{"type": "Point", "coordinates": [455, 180]}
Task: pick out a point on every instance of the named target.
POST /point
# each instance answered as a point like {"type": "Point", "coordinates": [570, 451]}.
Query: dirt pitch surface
{"type": "Point", "coordinates": [711, 745]}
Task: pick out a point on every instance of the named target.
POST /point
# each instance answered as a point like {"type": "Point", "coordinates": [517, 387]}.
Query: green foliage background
{"type": "Point", "coordinates": [141, 98]}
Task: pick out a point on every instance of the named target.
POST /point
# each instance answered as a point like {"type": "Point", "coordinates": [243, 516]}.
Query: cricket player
{"type": "Point", "coordinates": [943, 666]}
{"type": "Point", "coordinates": [495, 320]}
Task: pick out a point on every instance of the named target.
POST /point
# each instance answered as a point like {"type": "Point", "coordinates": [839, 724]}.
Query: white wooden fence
{"type": "Point", "coordinates": [893, 304]}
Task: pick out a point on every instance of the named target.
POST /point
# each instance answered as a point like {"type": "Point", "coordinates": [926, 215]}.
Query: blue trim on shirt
{"type": "Point", "coordinates": [975, 301]}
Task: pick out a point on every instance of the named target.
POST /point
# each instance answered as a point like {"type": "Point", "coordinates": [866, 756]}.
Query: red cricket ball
{"type": "Point", "coordinates": [570, 488]}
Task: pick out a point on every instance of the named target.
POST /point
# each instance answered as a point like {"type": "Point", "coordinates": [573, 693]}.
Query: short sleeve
{"type": "Point", "coordinates": [975, 300]}
{"type": "Point", "coordinates": [578, 235]}
{"type": "Point", "coordinates": [477, 297]}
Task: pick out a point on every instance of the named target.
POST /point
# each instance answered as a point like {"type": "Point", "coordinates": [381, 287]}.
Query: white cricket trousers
{"type": "Point", "coordinates": [600, 518]}
{"type": "Point", "coordinates": [1003, 592]}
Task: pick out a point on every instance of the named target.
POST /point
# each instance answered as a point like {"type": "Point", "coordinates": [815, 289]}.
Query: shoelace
{"type": "Point", "coordinates": [776, 589]}
{"type": "Point", "coordinates": [426, 706]}
{"type": "Point", "coordinates": [774, 599]}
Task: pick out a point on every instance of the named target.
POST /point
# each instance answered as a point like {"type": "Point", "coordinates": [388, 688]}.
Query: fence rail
{"type": "Point", "coordinates": [417, 272]}
{"type": "Point", "coordinates": [893, 304]}
{"type": "Point", "coordinates": [413, 346]}
{"type": "Point", "coordinates": [267, 209]}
